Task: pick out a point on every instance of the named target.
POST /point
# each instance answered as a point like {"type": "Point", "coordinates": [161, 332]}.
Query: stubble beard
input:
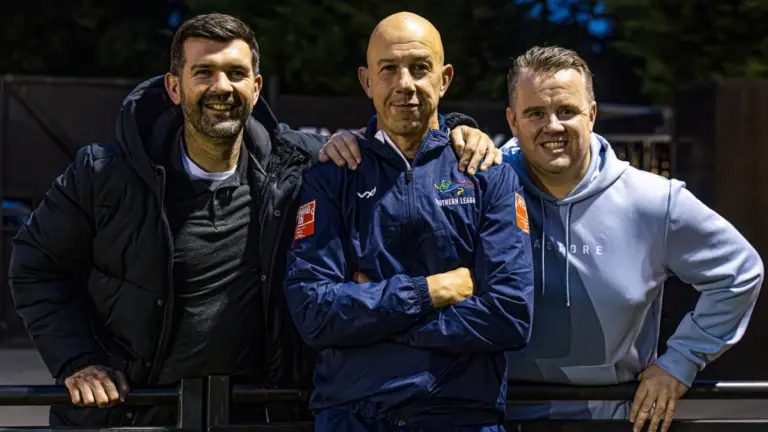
{"type": "Point", "coordinates": [207, 126]}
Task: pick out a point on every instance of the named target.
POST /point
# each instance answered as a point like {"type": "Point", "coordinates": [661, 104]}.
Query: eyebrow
{"type": "Point", "coordinates": [200, 66]}
{"type": "Point", "coordinates": [532, 109]}
{"type": "Point", "coordinates": [541, 108]}
{"type": "Point", "coordinates": [204, 65]}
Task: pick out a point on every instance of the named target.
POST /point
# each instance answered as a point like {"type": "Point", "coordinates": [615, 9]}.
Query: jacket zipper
{"type": "Point", "coordinates": [168, 311]}
{"type": "Point", "coordinates": [266, 273]}
{"type": "Point", "coordinates": [411, 198]}
{"type": "Point", "coordinates": [408, 177]}
{"type": "Point", "coordinates": [263, 278]}
{"type": "Point", "coordinates": [263, 194]}
{"type": "Point", "coordinates": [268, 282]}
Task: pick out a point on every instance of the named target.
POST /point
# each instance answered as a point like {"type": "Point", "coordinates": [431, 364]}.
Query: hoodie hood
{"type": "Point", "coordinates": [604, 169]}
{"type": "Point", "coordinates": [148, 120]}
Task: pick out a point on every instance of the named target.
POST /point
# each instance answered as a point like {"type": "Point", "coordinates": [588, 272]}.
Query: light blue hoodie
{"type": "Point", "coordinates": [601, 256]}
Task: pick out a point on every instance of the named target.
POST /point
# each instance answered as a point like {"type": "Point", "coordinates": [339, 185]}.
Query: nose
{"type": "Point", "coordinates": [221, 83]}
{"type": "Point", "coordinates": [553, 124]}
{"type": "Point", "coordinates": [404, 82]}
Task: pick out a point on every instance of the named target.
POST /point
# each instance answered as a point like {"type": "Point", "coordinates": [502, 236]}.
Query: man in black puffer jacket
{"type": "Point", "coordinates": [162, 257]}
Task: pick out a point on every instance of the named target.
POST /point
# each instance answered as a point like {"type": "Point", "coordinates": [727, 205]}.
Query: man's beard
{"type": "Point", "coordinates": [212, 126]}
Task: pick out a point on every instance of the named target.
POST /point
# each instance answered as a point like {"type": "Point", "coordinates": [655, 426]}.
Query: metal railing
{"type": "Point", "coordinates": [655, 153]}
{"type": "Point", "coordinates": [204, 405]}
{"type": "Point", "coordinates": [188, 397]}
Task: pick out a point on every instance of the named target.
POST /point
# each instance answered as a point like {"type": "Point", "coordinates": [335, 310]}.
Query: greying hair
{"type": "Point", "coordinates": [548, 60]}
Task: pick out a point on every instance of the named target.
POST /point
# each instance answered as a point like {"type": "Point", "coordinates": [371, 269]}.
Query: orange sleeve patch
{"type": "Point", "coordinates": [305, 221]}
{"type": "Point", "coordinates": [521, 213]}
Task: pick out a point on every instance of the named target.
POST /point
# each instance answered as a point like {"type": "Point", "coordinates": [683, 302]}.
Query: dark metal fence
{"type": "Point", "coordinates": [203, 405]}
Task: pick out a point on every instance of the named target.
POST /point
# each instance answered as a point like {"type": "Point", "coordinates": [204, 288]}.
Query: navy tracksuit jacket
{"type": "Point", "coordinates": [385, 353]}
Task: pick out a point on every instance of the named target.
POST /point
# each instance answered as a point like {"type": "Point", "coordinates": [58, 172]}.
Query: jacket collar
{"type": "Point", "coordinates": [435, 139]}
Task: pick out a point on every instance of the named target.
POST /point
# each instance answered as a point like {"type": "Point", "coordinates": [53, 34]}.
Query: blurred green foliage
{"type": "Point", "coordinates": [316, 47]}
{"type": "Point", "coordinates": [691, 41]}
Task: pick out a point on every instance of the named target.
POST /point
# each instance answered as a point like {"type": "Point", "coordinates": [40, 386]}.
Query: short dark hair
{"type": "Point", "coordinates": [217, 27]}
{"type": "Point", "coordinates": [550, 59]}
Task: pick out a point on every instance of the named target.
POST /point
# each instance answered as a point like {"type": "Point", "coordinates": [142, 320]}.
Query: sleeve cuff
{"type": "Point", "coordinates": [453, 120]}
{"type": "Point", "coordinates": [677, 365]}
{"type": "Point", "coordinates": [80, 362]}
{"type": "Point", "coordinates": [423, 299]}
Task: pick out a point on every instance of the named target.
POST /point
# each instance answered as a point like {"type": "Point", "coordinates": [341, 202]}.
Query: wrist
{"type": "Point", "coordinates": [678, 365]}
{"type": "Point", "coordinates": [436, 290]}
{"type": "Point", "coordinates": [77, 364]}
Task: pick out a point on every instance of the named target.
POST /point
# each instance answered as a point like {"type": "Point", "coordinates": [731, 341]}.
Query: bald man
{"type": "Point", "coordinates": [406, 274]}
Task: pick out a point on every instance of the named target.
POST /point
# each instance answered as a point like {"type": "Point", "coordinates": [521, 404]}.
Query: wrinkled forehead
{"type": "Point", "coordinates": [403, 52]}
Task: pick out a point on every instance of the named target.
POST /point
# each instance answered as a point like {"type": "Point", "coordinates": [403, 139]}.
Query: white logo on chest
{"type": "Point", "coordinates": [575, 249]}
{"type": "Point", "coordinates": [367, 194]}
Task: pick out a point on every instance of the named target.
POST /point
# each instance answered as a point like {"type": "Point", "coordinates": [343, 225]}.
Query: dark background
{"type": "Point", "coordinates": [680, 85]}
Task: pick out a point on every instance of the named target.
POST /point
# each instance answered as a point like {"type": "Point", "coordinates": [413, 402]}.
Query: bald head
{"type": "Point", "coordinates": [405, 28]}
{"type": "Point", "coordinates": [406, 77]}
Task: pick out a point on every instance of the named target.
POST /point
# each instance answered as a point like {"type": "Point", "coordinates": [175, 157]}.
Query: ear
{"type": "Point", "coordinates": [512, 121]}
{"type": "Point", "coordinates": [592, 115]}
{"type": "Point", "coordinates": [447, 76]}
{"type": "Point", "coordinates": [363, 75]}
{"type": "Point", "coordinates": [257, 83]}
{"type": "Point", "coordinates": [172, 87]}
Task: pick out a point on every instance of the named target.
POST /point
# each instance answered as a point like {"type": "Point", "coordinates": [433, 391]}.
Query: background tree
{"type": "Point", "coordinates": [690, 41]}
{"type": "Point", "coordinates": [87, 38]}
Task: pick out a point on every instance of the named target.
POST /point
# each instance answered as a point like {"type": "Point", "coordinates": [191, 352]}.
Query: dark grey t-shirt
{"type": "Point", "coordinates": [218, 307]}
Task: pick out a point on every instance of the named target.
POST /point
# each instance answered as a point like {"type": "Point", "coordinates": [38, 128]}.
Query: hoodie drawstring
{"type": "Point", "coordinates": [543, 245]}
{"type": "Point", "coordinates": [567, 256]}
{"type": "Point", "coordinates": [567, 252]}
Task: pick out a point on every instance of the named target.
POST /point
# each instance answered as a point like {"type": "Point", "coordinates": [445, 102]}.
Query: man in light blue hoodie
{"type": "Point", "coordinates": [606, 236]}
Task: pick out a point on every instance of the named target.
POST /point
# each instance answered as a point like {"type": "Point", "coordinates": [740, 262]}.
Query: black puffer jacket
{"type": "Point", "coordinates": [90, 273]}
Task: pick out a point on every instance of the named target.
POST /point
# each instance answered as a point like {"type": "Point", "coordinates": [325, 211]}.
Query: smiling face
{"type": "Point", "coordinates": [552, 118]}
{"type": "Point", "coordinates": [217, 88]}
{"type": "Point", "coordinates": [406, 76]}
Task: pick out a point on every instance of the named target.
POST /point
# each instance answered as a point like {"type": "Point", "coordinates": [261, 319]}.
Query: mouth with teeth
{"type": "Point", "coordinates": [220, 107]}
{"type": "Point", "coordinates": [555, 146]}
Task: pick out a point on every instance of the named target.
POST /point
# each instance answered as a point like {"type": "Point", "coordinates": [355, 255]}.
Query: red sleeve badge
{"type": "Point", "coordinates": [521, 213]}
{"type": "Point", "coordinates": [305, 221]}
